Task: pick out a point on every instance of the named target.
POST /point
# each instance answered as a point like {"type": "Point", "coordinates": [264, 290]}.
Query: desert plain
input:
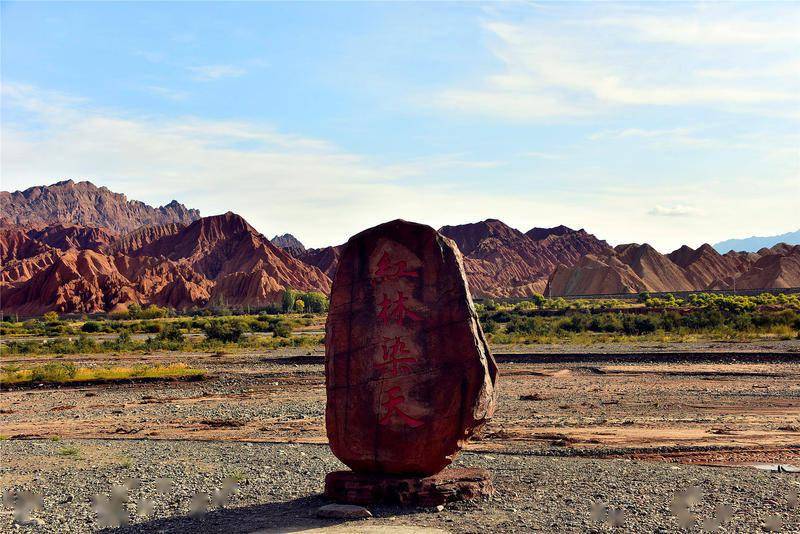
{"type": "Point", "coordinates": [629, 437]}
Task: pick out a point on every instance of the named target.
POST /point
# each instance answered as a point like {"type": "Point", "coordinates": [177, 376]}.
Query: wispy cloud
{"type": "Point", "coordinates": [562, 67]}
{"type": "Point", "coordinates": [641, 133]}
{"type": "Point", "coordinates": [711, 28]}
{"type": "Point", "coordinates": [208, 73]}
{"type": "Point", "coordinates": [541, 155]}
{"type": "Point", "coordinates": [678, 210]}
{"type": "Point", "coordinates": [278, 181]}
{"type": "Point", "coordinates": [167, 93]}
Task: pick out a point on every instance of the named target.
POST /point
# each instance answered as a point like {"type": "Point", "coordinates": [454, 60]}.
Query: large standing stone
{"type": "Point", "coordinates": [409, 375]}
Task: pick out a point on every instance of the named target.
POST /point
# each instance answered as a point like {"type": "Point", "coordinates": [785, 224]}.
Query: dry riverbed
{"type": "Point", "coordinates": [623, 425]}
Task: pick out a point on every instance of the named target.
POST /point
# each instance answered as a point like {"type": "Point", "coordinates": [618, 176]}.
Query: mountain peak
{"type": "Point", "coordinates": [468, 236]}
{"type": "Point", "coordinates": [288, 242]}
{"type": "Point", "coordinates": [538, 234]}
{"type": "Point", "coordinates": [85, 204]}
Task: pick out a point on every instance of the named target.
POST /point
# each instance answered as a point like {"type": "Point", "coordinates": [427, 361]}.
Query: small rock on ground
{"type": "Point", "coordinates": [343, 511]}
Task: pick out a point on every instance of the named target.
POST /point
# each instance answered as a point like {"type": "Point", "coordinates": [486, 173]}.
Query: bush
{"type": "Point", "coordinates": [282, 329]}
{"type": "Point", "coordinates": [91, 327]}
{"type": "Point", "coordinates": [227, 331]}
{"type": "Point", "coordinates": [171, 333]}
{"type": "Point", "coordinates": [150, 327]}
{"type": "Point", "coordinates": [53, 372]}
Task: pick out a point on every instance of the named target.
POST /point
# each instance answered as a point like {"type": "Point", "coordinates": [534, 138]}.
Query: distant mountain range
{"type": "Point", "coordinates": [85, 204]}
{"type": "Point", "coordinates": [77, 248]}
{"type": "Point", "coordinates": [755, 243]}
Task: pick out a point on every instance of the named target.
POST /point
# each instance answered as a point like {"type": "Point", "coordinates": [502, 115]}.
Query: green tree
{"type": "Point", "coordinates": [299, 306]}
{"type": "Point", "coordinates": [134, 310]}
{"type": "Point", "coordinates": [288, 299]}
{"type": "Point", "coordinates": [315, 302]}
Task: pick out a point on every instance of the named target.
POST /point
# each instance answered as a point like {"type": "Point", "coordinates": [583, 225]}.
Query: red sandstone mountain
{"type": "Point", "coordinates": [15, 243]}
{"type": "Point", "coordinates": [65, 237]}
{"type": "Point", "coordinates": [325, 259]}
{"type": "Point", "coordinates": [652, 267]}
{"type": "Point", "coordinates": [289, 243]}
{"type": "Point", "coordinates": [85, 204]}
{"type": "Point", "coordinates": [142, 236]}
{"type": "Point", "coordinates": [226, 246]}
{"type": "Point", "coordinates": [595, 275]}
{"type": "Point", "coordinates": [56, 261]}
{"type": "Point", "coordinates": [501, 261]}
{"type": "Point", "coordinates": [777, 267]}
{"type": "Point", "coordinates": [635, 268]}
{"type": "Point", "coordinates": [217, 260]}
{"type": "Point", "coordinates": [705, 267]}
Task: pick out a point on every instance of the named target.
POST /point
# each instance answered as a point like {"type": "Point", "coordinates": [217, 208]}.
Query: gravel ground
{"type": "Point", "coordinates": [279, 488]}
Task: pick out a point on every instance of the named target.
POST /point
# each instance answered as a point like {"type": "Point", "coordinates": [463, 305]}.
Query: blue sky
{"type": "Point", "coordinates": [663, 123]}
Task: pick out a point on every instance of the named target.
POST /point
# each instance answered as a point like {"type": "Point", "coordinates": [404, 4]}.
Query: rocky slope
{"type": "Point", "coordinates": [84, 204]}
{"type": "Point", "coordinates": [217, 261]}
{"type": "Point", "coordinates": [74, 247]}
{"type": "Point", "coordinates": [289, 243]}
{"type": "Point", "coordinates": [635, 268]}
{"type": "Point", "coordinates": [501, 261]}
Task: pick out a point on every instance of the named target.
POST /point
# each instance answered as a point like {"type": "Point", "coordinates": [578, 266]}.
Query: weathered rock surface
{"type": "Point", "coordinates": [595, 275]}
{"type": "Point", "coordinates": [634, 268]}
{"type": "Point", "coordinates": [289, 243]}
{"type": "Point", "coordinates": [219, 261]}
{"type": "Point", "coordinates": [85, 204]}
{"type": "Point", "coordinates": [409, 375]}
{"type": "Point", "coordinates": [780, 267]}
{"type": "Point", "coordinates": [501, 261]}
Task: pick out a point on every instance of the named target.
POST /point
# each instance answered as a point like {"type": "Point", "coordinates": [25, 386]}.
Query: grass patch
{"type": "Point", "coordinates": [66, 373]}
{"type": "Point", "coordinates": [69, 451]}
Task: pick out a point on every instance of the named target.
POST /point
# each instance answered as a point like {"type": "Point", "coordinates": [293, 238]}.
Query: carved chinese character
{"type": "Point", "coordinates": [394, 400]}
{"type": "Point", "coordinates": [389, 270]}
{"type": "Point", "coordinates": [392, 360]}
{"type": "Point", "coordinates": [396, 309]}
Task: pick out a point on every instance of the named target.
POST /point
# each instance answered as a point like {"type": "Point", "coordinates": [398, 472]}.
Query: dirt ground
{"type": "Point", "coordinates": [717, 406]}
{"type": "Point", "coordinates": [718, 403]}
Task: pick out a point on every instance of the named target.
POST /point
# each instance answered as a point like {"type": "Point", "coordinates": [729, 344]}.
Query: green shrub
{"type": "Point", "coordinates": [171, 333]}
{"type": "Point", "coordinates": [53, 372]}
{"type": "Point", "coordinates": [227, 331]}
{"type": "Point", "coordinates": [91, 327]}
{"type": "Point", "coordinates": [282, 329]}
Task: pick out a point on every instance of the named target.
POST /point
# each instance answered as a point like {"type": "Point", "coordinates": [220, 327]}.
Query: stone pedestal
{"type": "Point", "coordinates": [372, 488]}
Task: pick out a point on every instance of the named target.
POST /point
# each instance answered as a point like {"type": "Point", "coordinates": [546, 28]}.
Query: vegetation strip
{"type": "Point", "coordinates": [61, 373]}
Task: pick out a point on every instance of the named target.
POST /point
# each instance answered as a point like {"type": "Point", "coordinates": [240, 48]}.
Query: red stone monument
{"type": "Point", "coordinates": [409, 375]}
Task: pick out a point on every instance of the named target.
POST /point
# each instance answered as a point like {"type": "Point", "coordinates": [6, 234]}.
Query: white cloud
{"type": "Point", "coordinates": [207, 73]}
{"type": "Point", "coordinates": [563, 67]}
{"type": "Point", "coordinates": [323, 194]}
{"type": "Point", "coordinates": [279, 182]}
{"type": "Point", "coordinates": [541, 155]}
{"type": "Point", "coordinates": [711, 28]}
{"type": "Point", "coordinates": [678, 210]}
{"type": "Point", "coordinates": [167, 93]}
{"type": "Point", "coordinates": [640, 132]}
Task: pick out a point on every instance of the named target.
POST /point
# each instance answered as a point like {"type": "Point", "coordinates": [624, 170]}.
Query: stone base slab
{"type": "Point", "coordinates": [449, 485]}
